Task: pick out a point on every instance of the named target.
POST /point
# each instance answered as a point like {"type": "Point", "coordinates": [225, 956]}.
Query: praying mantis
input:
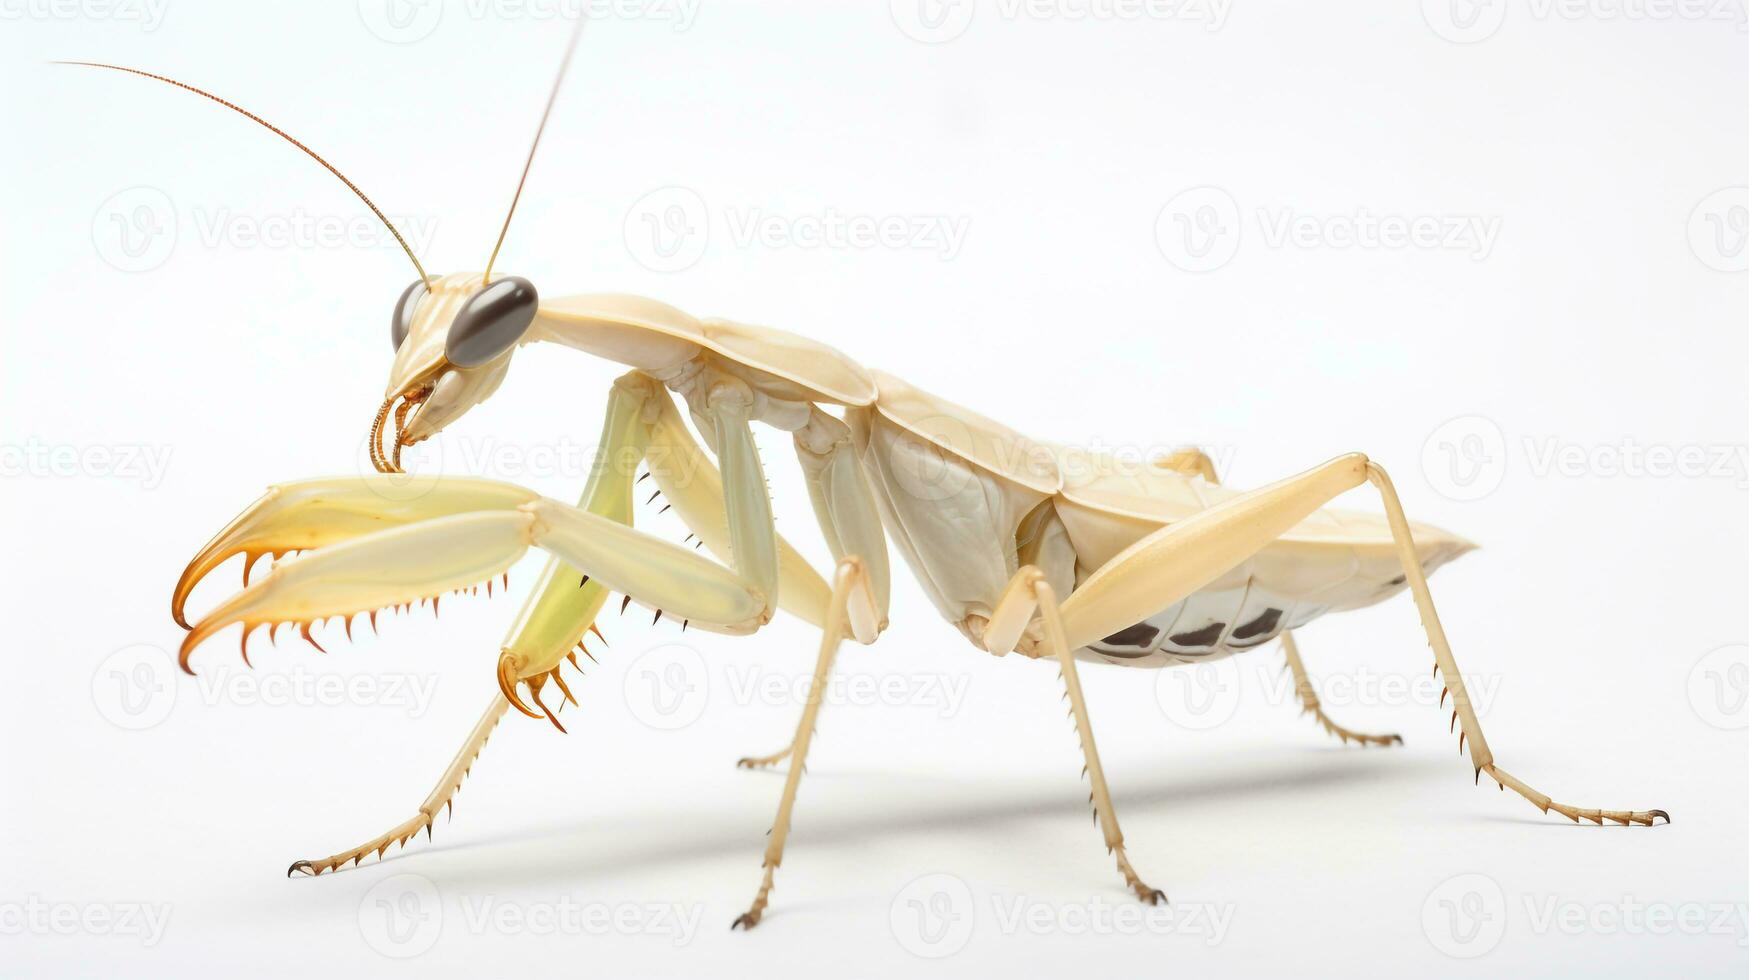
{"type": "Point", "coordinates": [1029, 549]}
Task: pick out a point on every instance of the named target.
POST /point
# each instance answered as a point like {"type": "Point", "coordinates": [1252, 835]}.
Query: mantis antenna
{"type": "Point", "coordinates": [552, 97]}
{"type": "Point", "coordinates": [281, 134]}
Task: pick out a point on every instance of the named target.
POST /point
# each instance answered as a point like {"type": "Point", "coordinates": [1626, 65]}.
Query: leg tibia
{"type": "Point", "coordinates": [440, 798]}
{"type": "Point", "coordinates": [1103, 811]}
{"type": "Point", "coordinates": [850, 576]}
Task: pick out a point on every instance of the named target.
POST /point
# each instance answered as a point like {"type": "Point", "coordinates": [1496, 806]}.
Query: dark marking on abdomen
{"type": "Point", "coordinates": [1207, 636]}
{"type": "Point", "coordinates": [1139, 635]}
{"type": "Point", "coordinates": [1263, 625]}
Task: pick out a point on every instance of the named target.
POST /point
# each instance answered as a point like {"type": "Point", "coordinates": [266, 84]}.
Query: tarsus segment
{"type": "Point", "coordinates": [439, 799]}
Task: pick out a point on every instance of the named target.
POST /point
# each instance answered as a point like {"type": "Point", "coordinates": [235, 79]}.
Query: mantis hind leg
{"type": "Point", "coordinates": [1309, 703]}
{"type": "Point", "coordinates": [1028, 593]}
{"type": "Point", "coordinates": [440, 799]}
{"type": "Point", "coordinates": [1195, 462]}
{"type": "Point", "coordinates": [1175, 561]}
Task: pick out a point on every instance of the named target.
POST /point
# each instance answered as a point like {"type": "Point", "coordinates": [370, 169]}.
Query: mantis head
{"type": "Point", "coordinates": [453, 337]}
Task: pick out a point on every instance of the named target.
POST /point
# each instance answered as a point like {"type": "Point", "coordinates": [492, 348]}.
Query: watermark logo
{"type": "Point", "coordinates": [1464, 21]}
{"type": "Point", "coordinates": [402, 916]}
{"type": "Point", "coordinates": [932, 21]}
{"type": "Point", "coordinates": [668, 229]}
{"type": "Point", "coordinates": [1718, 687]}
{"type": "Point", "coordinates": [1199, 696]}
{"type": "Point", "coordinates": [1465, 458]}
{"type": "Point", "coordinates": [1199, 229]}
{"type": "Point", "coordinates": [401, 21]}
{"type": "Point", "coordinates": [667, 687]}
{"type": "Point", "coordinates": [933, 916]}
{"type": "Point", "coordinates": [421, 468]}
{"type": "Point", "coordinates": [134, 230]}
{"type": "Point", "coordinates": [1471, 21]}
{"type": "Point", "coordinates": [1718, 230]}
{"type": "Point", "coordinates": [931, 468]}
{"type": "Point", "coordinates": [1465, 916]}
{"type": "Point", "coordinates": [135, 687]}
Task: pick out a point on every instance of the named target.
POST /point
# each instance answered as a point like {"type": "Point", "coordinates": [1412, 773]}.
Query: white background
{"type": "Point", "coordinates": [156, 382]}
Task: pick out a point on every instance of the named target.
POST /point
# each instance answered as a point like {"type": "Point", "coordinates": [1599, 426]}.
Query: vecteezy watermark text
{"type": "Point", "coordinates": [1468, 915]}
{"type": "Point", "coordinates": [36, 459]}
{"type": "Point", "coordinates": [940, 21]}
{"type": "Point", "coordinates": [149, 14]}
{"type": "Point", "coordinates": [1201, 229]}
{"type": "Point", "coordinates": [670, 228]}
{"type": "Point", "coordinates": [935, 916]}
{"type": "Point", "coordinates": [1468, 457]}
{"type": "Point", "coordinates": [37, 916]}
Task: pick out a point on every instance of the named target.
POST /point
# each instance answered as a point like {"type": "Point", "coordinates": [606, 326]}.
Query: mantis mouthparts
{"type": "Point", "coordinates": [389, 460]}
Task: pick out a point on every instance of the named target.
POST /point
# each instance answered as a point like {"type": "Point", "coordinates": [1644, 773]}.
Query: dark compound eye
{"type": "Point", "coordinates": [405, 307]}
{"type": "Point", "coordinates": [491, 322]}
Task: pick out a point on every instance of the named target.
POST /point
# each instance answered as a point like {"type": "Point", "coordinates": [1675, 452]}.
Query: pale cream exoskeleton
{"type": "Point", "coordinates": [1024, 547]}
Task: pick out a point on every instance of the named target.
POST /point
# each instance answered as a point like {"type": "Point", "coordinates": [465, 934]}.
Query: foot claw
{"type": "Point", "coordinates": [304, 866]}
{"type": "Point", "coordinates": [744, 921]}
{"type": "Point", "coordinates": [1347, 735]}
{"type": "Point", "coordinates": [761, 761]}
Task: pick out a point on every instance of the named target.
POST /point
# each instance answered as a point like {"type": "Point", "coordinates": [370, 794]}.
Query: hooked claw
{"type": "Point", "coordinates": [508, 678]}
{"type": "Point", "coordinates": [372, 550]}
{"type": "Point", "coordinates": [375, 545]}
{"type": "Point", "coordinates": [312, 514]}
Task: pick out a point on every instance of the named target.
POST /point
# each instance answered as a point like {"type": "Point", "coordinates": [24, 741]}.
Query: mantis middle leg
{"type": "Point", "coordinates": [851, 587]}
{"type": "Point", "coordinates": [845, 510]}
